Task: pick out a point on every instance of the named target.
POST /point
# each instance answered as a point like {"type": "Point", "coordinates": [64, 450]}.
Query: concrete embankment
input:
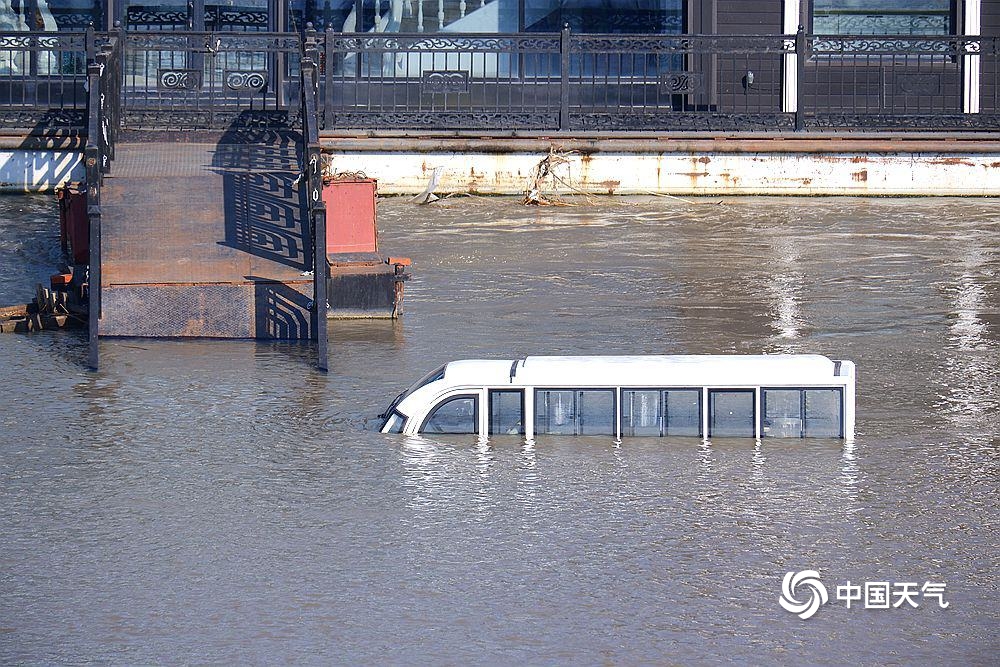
{"type": "Point", "coordinates": [764, 164]}
{"type": "Point", "coordinates": [876, 166]}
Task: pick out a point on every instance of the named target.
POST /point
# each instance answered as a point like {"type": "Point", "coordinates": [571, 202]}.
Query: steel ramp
{"type": "Point", "coordinates": [206, 237]}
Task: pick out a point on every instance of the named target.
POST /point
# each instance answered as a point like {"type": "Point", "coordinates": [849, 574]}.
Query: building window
{"type": "Point", "coordinates": [883, 17]}
{"type": "Point", "coordinates": [658, 17]}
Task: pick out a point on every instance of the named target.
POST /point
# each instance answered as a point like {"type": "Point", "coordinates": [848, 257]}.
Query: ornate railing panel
{"type": "Point", "coordinates": [889, 82]}
{"type": "Point", "coordinates": [42, 79]}
{"type": "Point", "coordinates": [192, 80]}
{"type": "Point", "coordinates": [680, 82]}
{"type": "Point", "coordinates": [500, 82]}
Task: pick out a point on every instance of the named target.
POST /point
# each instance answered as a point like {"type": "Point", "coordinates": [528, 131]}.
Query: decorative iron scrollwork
{"type": "Point", "coordinates": [245, 80]}
{"type": "Point", "coordinates": [681, 83]}
{"type": "Point", "coordinates": [449, 120]}
{"type": "Point", "coordinates": [444, 81]}
{"type": "Point", "coordinates": [155, 16]}
{"type": "Point", "coordinates": [223, 17]}
{"type": "Point", "coordinates": [918, 84]}
{"type": "Point", "coordinates": [681, 121]}
{"type": "Point", "coordinates": [178, 79]}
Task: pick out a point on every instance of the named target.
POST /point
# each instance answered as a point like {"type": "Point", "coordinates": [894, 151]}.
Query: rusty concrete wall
{"type": "Point", "coordinates": [682, 173]}
{"type": "Point", "coordinates": [624, 166]}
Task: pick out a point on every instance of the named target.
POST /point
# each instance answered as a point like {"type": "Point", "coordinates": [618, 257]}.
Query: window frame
{"type": "Point", "coordinates": [955, 17]}
{"type": "Point", "coordinates": [802, 409]}
{"type": "Point", "coordinates": [754, 404]}
{"type": "Point", "coordinates": [662, 406]}
{"type": "Point", "coordinates": [489, 417]}
{"type": "Point", "coordinates": [448, 399]}
{"type": "Point", "coordinates": [577, 424]}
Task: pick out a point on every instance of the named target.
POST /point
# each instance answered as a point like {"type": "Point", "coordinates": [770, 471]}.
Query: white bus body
{"type": "Point", "coordinates": [755, 396]}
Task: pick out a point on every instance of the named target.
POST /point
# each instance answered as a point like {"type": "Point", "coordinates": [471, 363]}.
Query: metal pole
{"type": "Point", "coordinates": [564, 63]}
{"type": "Point", "coordinates": [800, 70]}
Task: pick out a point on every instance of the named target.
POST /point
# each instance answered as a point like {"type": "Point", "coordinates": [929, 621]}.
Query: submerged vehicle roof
{"type": "Point", "coordinates": [677, 370]}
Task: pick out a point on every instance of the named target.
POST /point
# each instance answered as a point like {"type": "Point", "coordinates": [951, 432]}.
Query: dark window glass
{"type": "Point", "coordinates": [597, 412]}
{"type": "Point", "coordinates": [823, 413]}
{"type": "Point", "coordinates": [782, 413]}
{"type": "Point", "coordinates": [731, 413]}
{"type": "Point", "coordinates": [641, 413]}
{"type": "Point", "coordinates": [555, 412]}
{"type": "Point", "coordinates": [882, 17]}
{"type": "Point", "coordinates": [604, 16]}
{"type": "Point", "coordinates": [455, 415]}
{"type": "Point", "coordinates": [683, 412]}
{"type": "Point", "coordinates": [564, 412]}
{"type": "Point", "coordinates": [506, 412]}
{"type": "Point", "coordinates": [395, 423]}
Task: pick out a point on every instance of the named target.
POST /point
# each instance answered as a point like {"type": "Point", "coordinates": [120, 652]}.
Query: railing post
{"type": "Point", "coordinates": [320, 266]}
{"type": "Point", "coordinates": [329, 66]}
{"type": "Point", "coordinates": [316, 210]}
{"type": "Point", "coordinates": [91, 43]}
{"type": "Point", "coordinates": [564, 63]}
{"type": "Point", "coordinates": [800, 70]}
{"type": "Point", "coordinates": [92, 156]}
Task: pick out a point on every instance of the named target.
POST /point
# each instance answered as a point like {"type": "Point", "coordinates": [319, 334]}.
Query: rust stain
{"type": "Point", "coordinates": [953, 161]}
{"type": "Point", "coordinates": [611, 186]}
{"type": "Point", "coordinates": [693, 174]}
{"type": "Point", "coordinates": [858, 159]}
{"type": "Point", "coordinates": [994, 165]}
{"type": "Point", "coordinates": [704, 159]}
{"type": "Point", "coordinates": [860, 176]}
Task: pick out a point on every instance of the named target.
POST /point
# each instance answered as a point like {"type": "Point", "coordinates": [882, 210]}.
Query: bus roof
{"type": "Point", "coordinates": [652, 370]}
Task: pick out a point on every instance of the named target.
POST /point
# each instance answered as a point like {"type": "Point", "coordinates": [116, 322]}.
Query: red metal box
{"type": "Point", "coordinates": [350, 215]}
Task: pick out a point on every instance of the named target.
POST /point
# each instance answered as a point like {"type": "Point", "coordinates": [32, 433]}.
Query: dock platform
{"type": "Point", "coordinates": [207, 236]}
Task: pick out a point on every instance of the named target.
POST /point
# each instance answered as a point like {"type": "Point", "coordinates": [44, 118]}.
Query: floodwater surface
{"type": "Point", "coordinates": [223, 502]}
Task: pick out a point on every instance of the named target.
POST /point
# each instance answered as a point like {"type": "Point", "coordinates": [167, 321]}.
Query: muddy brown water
{"type": "Point", "coordinates": [221, 502]}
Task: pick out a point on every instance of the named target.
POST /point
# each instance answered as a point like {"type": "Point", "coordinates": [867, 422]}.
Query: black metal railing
{"type": "Point", "coordinates": [521, 82]}
{"type": "Point", "coordinates": [103, 121]}
{"type": "Point", "coordinates": [42, 76]}
{"type": "Point", "coordinates": [312, 169]}
{"type": "Point", "coordinates": [608, 83]}
{"type": "Point", "coordinates": [191, 80]}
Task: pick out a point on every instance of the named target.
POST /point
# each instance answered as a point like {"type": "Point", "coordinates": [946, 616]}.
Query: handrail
{"type": "Point", "coordinates": [103, 116]}
{"type": "Point", "coordinates": [313, 170]}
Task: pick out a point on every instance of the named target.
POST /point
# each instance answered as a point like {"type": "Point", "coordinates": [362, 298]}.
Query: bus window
{"type": "Point", "coordinates": [641, 413]}
{"type": "Point", "coordinates": [555, 412]}
{"type": "Point", "coordinates": [506, 412]}
{"type": "Point", "coordinates": [453, 415]}
{"type": "Point", "coordinates": [782, 413]}
{"type": "Point", "coordinates": [683, 412]}
{"type": "Point", "coordinates": [731, 413]}
{"type": "Point", "coordinates": [823, 413]}
{"type": "Point", "coordinates": [587, 412]}
{"type": "Point", "coordinates": [597, 412]}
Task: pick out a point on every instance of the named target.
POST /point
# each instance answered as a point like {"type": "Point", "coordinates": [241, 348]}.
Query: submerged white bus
{"type": "Point", "coordinates": [711, 396]}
